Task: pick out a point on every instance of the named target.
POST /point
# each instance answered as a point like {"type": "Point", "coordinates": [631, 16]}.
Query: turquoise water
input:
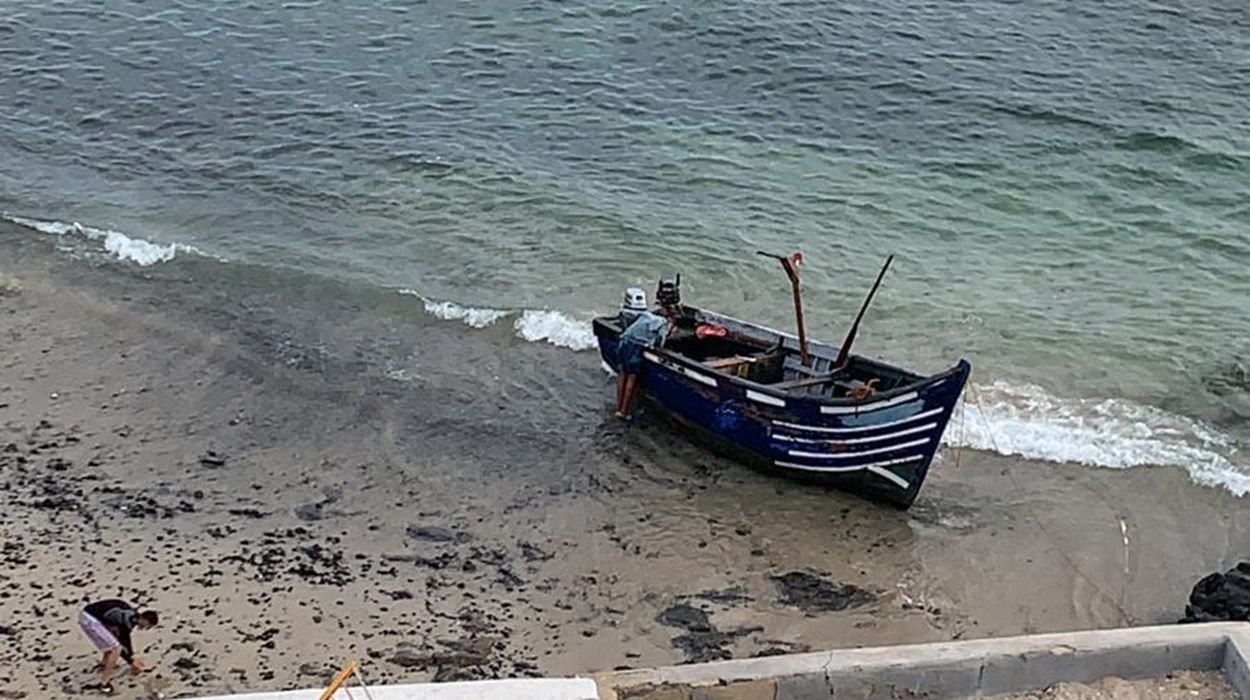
{"type": "Point", "coordinates": [1066, 188]}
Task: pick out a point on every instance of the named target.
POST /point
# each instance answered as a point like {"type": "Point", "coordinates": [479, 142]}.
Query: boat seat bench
{"type": "Point", "coordinates": [725, 362]}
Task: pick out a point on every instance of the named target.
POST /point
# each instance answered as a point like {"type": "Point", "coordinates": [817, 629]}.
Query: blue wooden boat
{"type": "Point", "coordinates": [857, 423]}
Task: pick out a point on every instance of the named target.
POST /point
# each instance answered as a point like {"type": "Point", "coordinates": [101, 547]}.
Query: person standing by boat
{"type": "Point", "coordinates": [108, 624]}
{"type": "Point", "coordinates": [648, 330]}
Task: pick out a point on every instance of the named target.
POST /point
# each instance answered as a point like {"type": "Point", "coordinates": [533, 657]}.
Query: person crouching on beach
{"type": "Point", "coordinates": [108, 623]}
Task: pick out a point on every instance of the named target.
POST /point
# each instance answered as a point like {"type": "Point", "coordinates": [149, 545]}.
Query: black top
{"type": "Point", "coordinates": [120, 618]}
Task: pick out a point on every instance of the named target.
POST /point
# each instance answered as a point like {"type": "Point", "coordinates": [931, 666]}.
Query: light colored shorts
{"type": "Point", "coordinates": [99, 634]}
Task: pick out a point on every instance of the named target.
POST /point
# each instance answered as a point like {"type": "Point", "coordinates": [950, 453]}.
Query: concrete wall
{"type": "Point", "coordinates": [949, 670]}
{"type": "Point", "coordinates": [519, 689]}
{"type": "Point", "coordinates": [939, 671]}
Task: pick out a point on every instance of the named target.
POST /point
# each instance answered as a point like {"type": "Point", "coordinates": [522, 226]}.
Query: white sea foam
{"type": "Point", "coordinates": [138, 250]}
{"type": "Point", "coordinates": [1025, 420]}
{"type": "Point", "coordinates": [556, 328]}
{"type": "Point", "coordinates": [534, 325]}
{"type": "Point", "coordinates": [477, 318]}
{"type": "Point", "coordinates": [116, 243]}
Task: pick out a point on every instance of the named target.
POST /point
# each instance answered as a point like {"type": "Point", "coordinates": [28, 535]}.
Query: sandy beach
{"type": "Point", "coordinates": [1198, 685]}
{"type": "Point", "coordinates": [292, 484]}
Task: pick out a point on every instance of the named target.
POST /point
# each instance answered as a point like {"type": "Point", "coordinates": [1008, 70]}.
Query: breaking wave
{"type": "Point", "coordinates": [115, 243]}
{"type": "Point", "coordinates": [534, 325]}
{"type": "Point", "coordinates": [1026, 421]}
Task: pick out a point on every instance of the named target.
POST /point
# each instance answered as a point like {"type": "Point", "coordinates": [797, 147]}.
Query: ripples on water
{"type": "Point", "coordinates": [1066, 187]}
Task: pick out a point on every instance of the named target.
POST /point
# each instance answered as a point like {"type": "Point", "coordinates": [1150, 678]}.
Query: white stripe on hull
{"type": "Point", "coordinates": [859, 467]}
{"type": "Point", "coordinates": [855, 441]}
{"type": "Point", "coordinates": [866, 407]}
{"type": "Point", "coordinates": [852, 455]}
{"type": "Point", "coordinates": [859, 428]}
{"type": "Point", "coordinates": [701, 378]}
{"type": "Point", "coordinates": [890, 476]}
{"type": "Point", "coordinates": [765, 399]}
{"type": "Point", "coordinates": [686, 371]}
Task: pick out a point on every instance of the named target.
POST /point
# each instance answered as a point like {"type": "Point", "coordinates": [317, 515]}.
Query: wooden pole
{"type": "Point", "coordinates": [339, 679]}
{"type": "Point", "coordinates": [793, 274]}
{"type": "Point", "coordinates": [788, 265]}
{"type": "Point", "coordinates": [845, 352]}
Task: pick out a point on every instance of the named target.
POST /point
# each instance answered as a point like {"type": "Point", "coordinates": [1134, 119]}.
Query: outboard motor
{"type": "Point", "coordinates": [669, 292]}
{"type": "Point", "coordinates": [635, 303]}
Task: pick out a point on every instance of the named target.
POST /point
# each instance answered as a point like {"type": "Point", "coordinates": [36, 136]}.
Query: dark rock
{"type": "Point", "coordinates": [466, 651]}
{"type": "Point", "coordinates": [686, 617]}
{"type": "Point", "coordinates": [143, 507]}
{"type": "Point", "coordinates": [58, 464]}
{"type": "Point", "coordinates": [812, 593]}
{"type": "Point", "coordinates": [489, 557]}
{"type": "Point", "coordinates": [701, 642]}
{"type": "Point", "coordinates": [7, 631]}
{"type": "Point", "coordinates": [508, 578]}
{"type": "Point", "coordinates": [532, 552]}
{"type": "Point", "coordinates": [728, 596]}
{"type": "Point", "coordinates": [451, 674]}
{"type": "Point", "coordinates": [184, 663]}
{"type": "Point", "coordinates": [248, 513]}
{"type": "Point", "coordinates": [709, 645]}
{"type": "Point", "coordinates": [310, 512]}
{"type": "Point", "coordinates": [399, 595]}
{"type": "Point", "coordinates": [317, 670]}
{"type": "Point", "coordinates": [1221, 597]}
{"type": "Point", "coordinates": [213, 460]}
{"type": "Point", "coordinates": [264, 636]}
{"type": "Point", "coordinates": [777, 648]}
{"type": "Point", "coordinates": [441, 561]}
{"type": "Point", "coordinates": [410, 658]}
{"type": "Point", "coordinates": [1229, 377]}
{"type": "Point", "coordinates": [435, 533]}
{"type": "Point", "coordinates": [54, 503]}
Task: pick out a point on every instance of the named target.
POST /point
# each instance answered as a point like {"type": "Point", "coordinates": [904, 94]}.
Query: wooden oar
{"type": "Point", "coordinates": [845, 353]}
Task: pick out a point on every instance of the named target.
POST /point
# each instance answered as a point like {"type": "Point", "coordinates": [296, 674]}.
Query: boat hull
{"type": "Point", "coordinates": [881, 447]}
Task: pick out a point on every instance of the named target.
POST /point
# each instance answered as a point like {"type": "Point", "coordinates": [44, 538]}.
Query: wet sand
{"type": "Point", "coordinates": [296, 472]}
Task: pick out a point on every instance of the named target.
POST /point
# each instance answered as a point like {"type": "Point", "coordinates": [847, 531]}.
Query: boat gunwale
{"type": "Point", "coordinates": [923, 381]}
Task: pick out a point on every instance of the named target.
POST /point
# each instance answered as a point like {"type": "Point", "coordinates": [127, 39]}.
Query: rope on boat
{"type": "Point", "coordinates": [1125, 617]}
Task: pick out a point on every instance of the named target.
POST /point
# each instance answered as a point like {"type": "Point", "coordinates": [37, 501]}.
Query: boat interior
{"type": "Point", "coordinates": [764, 357]}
